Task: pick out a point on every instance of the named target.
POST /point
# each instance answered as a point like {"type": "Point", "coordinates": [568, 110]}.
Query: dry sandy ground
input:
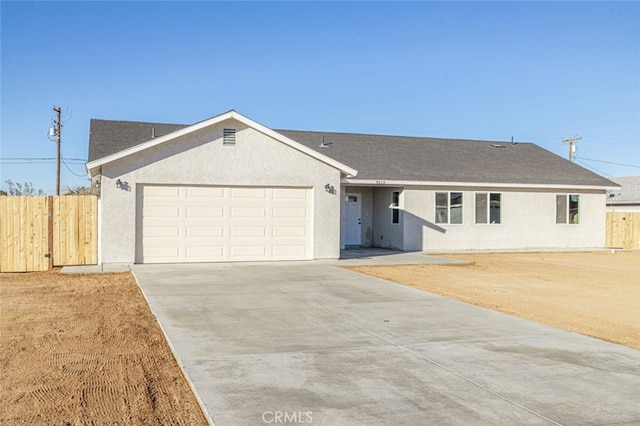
{"type": "Point", "coordinates": [597, 294]}
{"type": "Point", "coordinates": [86, 350]}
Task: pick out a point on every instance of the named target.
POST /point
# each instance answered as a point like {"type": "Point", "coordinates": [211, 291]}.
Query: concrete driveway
{"type": "Point", "coordinates": [311, 343]}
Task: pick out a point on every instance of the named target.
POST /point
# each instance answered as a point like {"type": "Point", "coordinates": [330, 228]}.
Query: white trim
{"type": "Point", "coordinates": [99, 231]}
{"type": "Point", "coordinates": [95, 164]}
{"type": "Point", "coordinates": [382, 182]}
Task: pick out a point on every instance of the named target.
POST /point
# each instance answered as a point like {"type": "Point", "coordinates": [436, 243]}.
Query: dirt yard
{"type": "Point", "coordinates": [85, 349]}
{"type": "Point", "coordinates": [597, 294]}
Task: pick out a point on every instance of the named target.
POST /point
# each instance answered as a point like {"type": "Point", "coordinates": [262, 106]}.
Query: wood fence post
{"type": "Point", "coordinates": [50, 230]}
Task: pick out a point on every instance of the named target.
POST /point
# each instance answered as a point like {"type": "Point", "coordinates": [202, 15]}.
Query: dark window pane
{"type": "Point", "coordinates": [574, 201]}
{"type": "Point", "coordinates": [456, 207]}
{"type": "Point", "coordinates": [395, 199]}
{"type": "Point", "coordinates": [495, 201]}
{"type": "Point", "coordinates": [481, 208]}
{"type": "Point", "coordinates": [395, 216]}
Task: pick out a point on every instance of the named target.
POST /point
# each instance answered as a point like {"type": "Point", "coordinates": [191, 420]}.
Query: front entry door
{"type": "Point", "coordinates": [353, 209]}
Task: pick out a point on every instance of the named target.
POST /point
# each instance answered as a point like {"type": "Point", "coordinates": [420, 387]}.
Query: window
{"type": "Point", "coordinates": [568, 208]}
{"type": "Point", "coordinates": [449, 207]}
{"type": "Point", "coordinates": [488, 207]}
{"type": "Point", "coordinates": [229, 137]}
{"type": "Point", "coordinates": [395, 207]}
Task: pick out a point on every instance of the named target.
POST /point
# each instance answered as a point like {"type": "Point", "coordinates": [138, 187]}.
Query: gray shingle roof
{"type": "Point", "coordinates": [380, 157]}
{"type": "Point", "coordinates": [628, 194]}
{"type": "Point", "coordinates": [107, 137]}
{"type": "Point", "coordinates": [446, 160]}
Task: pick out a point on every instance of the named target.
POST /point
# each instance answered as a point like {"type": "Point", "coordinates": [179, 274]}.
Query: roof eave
{"type": "Point", "coordinates": [387, 182]}
{"type": "Point", "coordinates": [96, 164]}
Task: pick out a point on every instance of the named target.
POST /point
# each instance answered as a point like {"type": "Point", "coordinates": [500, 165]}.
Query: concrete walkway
{"type": "Point", "coordinates": [309, 342]}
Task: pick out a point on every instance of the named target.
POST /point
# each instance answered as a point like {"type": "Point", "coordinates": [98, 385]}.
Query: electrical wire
{"type": "Point", "coordinates": [41, 158]}
{"type": "Point", "coordinates": [72, 172]}
{"type": "Point", "coordinates": [609, 162]}
{"type": "Point", "coordinates": [593, 169]}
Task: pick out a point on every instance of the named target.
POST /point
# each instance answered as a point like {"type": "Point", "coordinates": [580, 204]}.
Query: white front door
{"type": "Point", "coordinates": [353, 209]}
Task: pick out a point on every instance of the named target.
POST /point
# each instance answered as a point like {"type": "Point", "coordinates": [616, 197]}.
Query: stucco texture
{"type": "Point", "coordinates": [528, 221]}
{"type": "Point", "coordinates": [200, 158]}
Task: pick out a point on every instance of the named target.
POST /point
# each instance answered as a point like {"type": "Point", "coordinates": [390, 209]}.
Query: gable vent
{"type": "Point", "coordinates": [229, 137]}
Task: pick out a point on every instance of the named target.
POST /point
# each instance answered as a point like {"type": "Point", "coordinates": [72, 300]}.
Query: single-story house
{"type": "Point", "coordinates": [625, 199]}
{"type": "Point", "coordinates": [231, 189]}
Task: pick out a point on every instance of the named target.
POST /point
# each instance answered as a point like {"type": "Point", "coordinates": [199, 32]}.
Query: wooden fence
{"type": "Point", "coordinates": [623, 230]}
{"type": "Point", "coordinates": [37, 233]}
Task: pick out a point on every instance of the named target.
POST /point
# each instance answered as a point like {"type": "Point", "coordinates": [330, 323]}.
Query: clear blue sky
{"type": "Point", "coordinates": [537, 71]}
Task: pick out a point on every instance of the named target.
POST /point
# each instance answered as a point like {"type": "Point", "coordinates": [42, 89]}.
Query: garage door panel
{"type": "Point", "coordinates": [162, 191]}
{"type": "Point", "coordinates": [248, 212]}
{"type": "Point", "coordinates": [205, 212]}
{"type": "Point", "coordinates": [289, 231]}
{"type": "Point", "coordinates": [167, 254]}
{"type": "Point", "coordinates": [158, 212]}
{"type": "Point", "coordinates": [209, 224]}
{"type": "Point", "coordinates": [289, 194]}
{"type": "Point", "coordinates": [204, 231]}
{"type": "Point", "coordinates": [248, 193]}
{"type": "Point", "coordinates": [291, 250]}
{"type": "Point", "coordinates": [205, 252]}
{"type": "Point", "coordinates": [289, 212]}
{"type": "Point", "coordinates": [248, 231]}
{"type": "Point", "coordinates": [162, 231]}
{"type": "Point", "coordinates": [240, 251]}
{"type": "Point", "coordinates": [204, 192]}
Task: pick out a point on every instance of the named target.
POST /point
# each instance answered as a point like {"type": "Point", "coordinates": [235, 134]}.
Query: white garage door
{"type": "Point", "coordinates": [212, 224]}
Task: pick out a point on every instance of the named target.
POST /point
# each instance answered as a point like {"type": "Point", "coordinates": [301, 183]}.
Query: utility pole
{"type": "Point", "coordinates": [571, 141]}
{"type": "Point", "coordinates": [58, 130]}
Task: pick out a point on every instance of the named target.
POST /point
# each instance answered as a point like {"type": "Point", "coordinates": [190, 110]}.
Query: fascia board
{"type": "Point", "coordinates": [384, 182]}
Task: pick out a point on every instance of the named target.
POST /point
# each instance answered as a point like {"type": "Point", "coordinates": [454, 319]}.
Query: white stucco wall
{"type": "Point", "coordinates": [200, 158]}
{"type": "Point", "coordinates": [528, 221]}
{"type": "Point", "coordinates": [386, 234]}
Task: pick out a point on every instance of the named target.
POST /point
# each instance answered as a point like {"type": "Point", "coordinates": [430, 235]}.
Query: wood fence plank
{"type": "Point", "coordinates": [623, 230]}
{"type": "Point", "coordinates": [3, 234]}
{"type": "Point", "coordinates": [63, 226]}
{"type": "Point", "coordinates": [11, 246]}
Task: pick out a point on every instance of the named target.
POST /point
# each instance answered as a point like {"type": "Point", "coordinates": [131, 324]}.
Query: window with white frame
{"type": "Point", "coordinates": [568, 208]}
{"type": "Point", "coordinates": [395, 207]}
{"type": "Point", "coordinates": [449, 207]}
{"type": "Point", "coordinates": [488, 207]}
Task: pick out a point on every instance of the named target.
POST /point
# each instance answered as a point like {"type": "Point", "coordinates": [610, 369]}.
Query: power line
{"type": "Point", "coordinates": [39, 158]}
{"type": "Point", "coordinates": [610, 162]}
{"type": "Point", "coordinates": [591, 167]}
{"type": "Point", "coordinates": [72, 172]}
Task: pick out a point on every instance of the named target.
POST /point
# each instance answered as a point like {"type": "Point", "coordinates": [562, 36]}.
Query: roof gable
{"type": "Point", "coordinates": [135, 129]}
{"type": "Point", "coordinates": [409, 160]}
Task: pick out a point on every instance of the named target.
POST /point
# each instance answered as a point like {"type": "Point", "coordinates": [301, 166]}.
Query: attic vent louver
{"type": "Point", "coordinates": [229, 137]}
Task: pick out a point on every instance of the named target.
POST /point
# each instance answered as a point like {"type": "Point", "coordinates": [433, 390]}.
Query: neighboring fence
{"type": "Point", "coordinates": [37, 233]}
{"type": "Point", "coordinates": [623, 230]}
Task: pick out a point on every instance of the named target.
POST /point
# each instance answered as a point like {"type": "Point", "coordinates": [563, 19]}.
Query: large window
{"type": "Point", "coordinates": [488, 207]}
{"type": "Point", "coordinates": [448, 207]}
{"type": "Point", "coordinates": [568, 208]}
{"type": "Point", "coordinates": [395, 207]}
